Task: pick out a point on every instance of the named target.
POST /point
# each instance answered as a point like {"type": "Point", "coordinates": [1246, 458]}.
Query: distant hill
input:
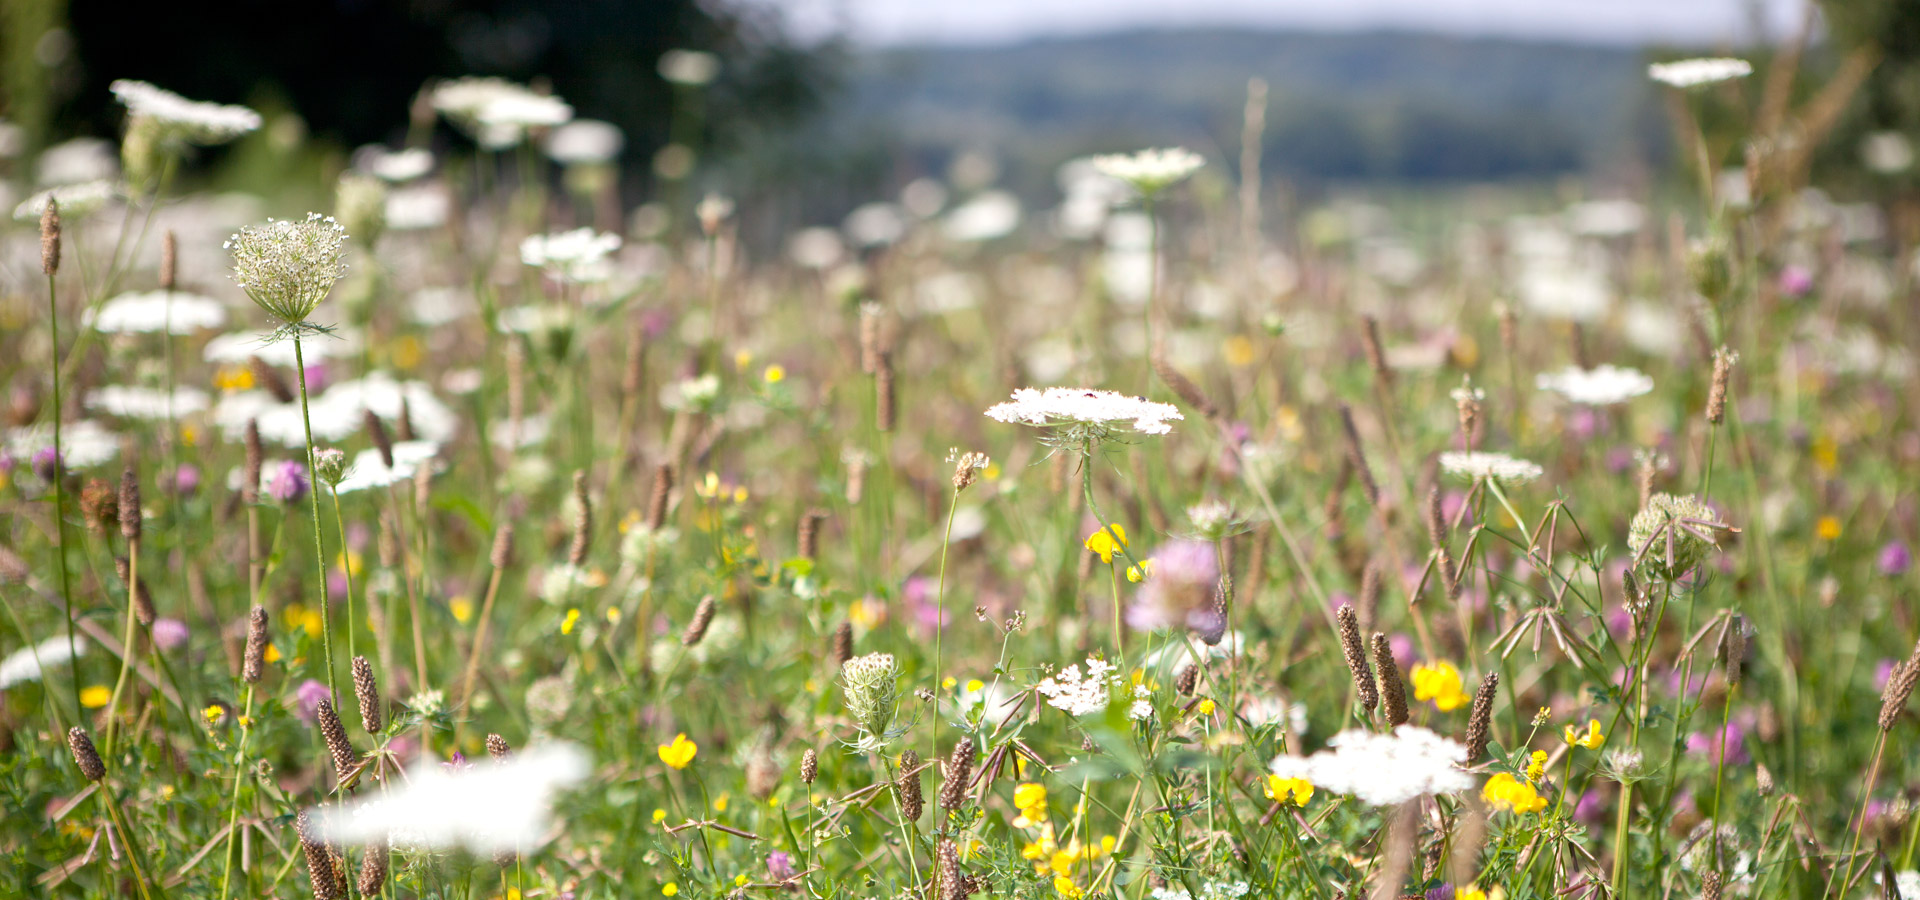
{"type": "Point", "coordinates": [1370, 105]}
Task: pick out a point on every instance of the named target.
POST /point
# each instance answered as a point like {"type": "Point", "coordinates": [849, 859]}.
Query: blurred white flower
{"type": "Point", "coordinates": [585, 141]}
{"type": "Point", "coordinates": [436, 306]}
{"type": "Point", "coordinates": [1383, 769]}
{"type": "Point", "coordinates": [496, 112]}
{"type": "Point", "coordinates": [1150, 171]}
{"type": "Point", "coordinates": [78, 160]}
{"type": "Point", "coordinates": [131, 402]}
{"type": "Point", "coordinates": [75, 200]}
{"type": "Point", "coordinates": [1606, 218]}
{"type": "Point", "coordinates": [369, 470]}
{"type": "Point", "coordinates": [150, 311]}
{"type": "Point", "coordinates": [1078, 696]}
{"type": "Point", "coordinates": [1887, 152]}
{"type": "Point", "coordinates": [238, 347]}
{"type": "Point", "coordinates": [1688, 73]}
{"type": "Point", "coordinates": [579, 256]}
{"type": "Point", "coordinates": [31, 663]}
{"type": "Point", "coordinates": [418, 207]}
{"type": "Point", "coordinates": [875, 225]}
{"type": "Point", "coordinates": [489, 806]}
{"type": "Point", "coordinates": [1478, 465]}
{"type": "Point", "coordinates": [1058, 405]}
{"type": "Point", "coordinates": [83, 444]}
{"type": "Point", "coordinates": [395, 166]}
{"type": "Point", "coordinates": [992, 214]}
{"type": "Point", "coordinates": [815, 248]}
{"type": "Point", "coordinates": [691, 68]}
{"type": "Point", "coordinates": [192, 121]}
{"type": "Point", "coordinates": [1603, 386]}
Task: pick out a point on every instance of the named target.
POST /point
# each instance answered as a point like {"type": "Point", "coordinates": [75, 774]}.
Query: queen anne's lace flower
{"type": "Point", "coordinates": [1078, 696]}
{"type": "Point", "coordinates": [192, 121]}
{"type": "Point", "coordinates": [288, 267]}
{"type": "Point", "coordinates": [369, 469]}
{"type": "Point", "coordinates": [75, 200]}
{"type": "Point", "coordinates": [1150, 171]}
{"type": "Point", "coordinates": [585, 141]}
{"type": "Point", "coordinates": [83, 444]}
{"type": "Point", "coordinates": [577, 256]}
{"type": "Point", "coordinates": [134, 402]}
{"type": "Point", "coordinates": [1383, 769]}
{"type": "Point", "coordinates": [1688, 73]}
{"type": "Point", "coordinates": [1477, 465]}
{"type": "Point", "coordinates": [149, 311]}
{"type": "Point", "coordinates": [393, 166]}
{"type": "Point", "coordinates": [31, 663]}
{"type": "Point", "coordinates": [1058, 405]}
{"type": "Point", "coordinates": [1603, 386]}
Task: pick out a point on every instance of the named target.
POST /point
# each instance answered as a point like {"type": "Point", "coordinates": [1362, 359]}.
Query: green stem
{"type": "Point", "coordinates": [313, 497]}
{"type": "Point", "coordinates": [940, 621]}
{"type": "Point", "coordinates": [126, 646]}
{"type": "Point", "coordinates": [233, 800]}
{"type": "Point", "coordinates": [346, 565]}
{"type": "Point", "coordinates": [60, 501]}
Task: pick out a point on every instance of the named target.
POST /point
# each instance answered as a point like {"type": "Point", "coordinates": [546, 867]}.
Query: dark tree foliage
{"type": "Point", "coordinates": [351, 68]}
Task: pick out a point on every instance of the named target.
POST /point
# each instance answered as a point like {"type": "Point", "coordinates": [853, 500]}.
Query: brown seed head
{"type": "Point", "coordinates": [129, 504]}
{"type": "Point", "coordinates": [169, 260]}
{"type": "Point", "coordinates": [657, 502]}
{"type": "Point", "coordinates": [1480, 718]}
{"type": "Point", "coordinates": [254, 664]}
{"type": "Point", "coordinates": [84, 755]}
{"type": "Point", "coordinates": [697, 626]}
{"type": "Point", "coordinates": [842, 644]}
{"type": "Point", "coordinates": [405, 424]}
{"type": "Point", "coordinates": [1763, 780]}
{"type": "Point", "coordinates": [1357, 456]}
{"type": "Point", "coordinates": [497, 747]}
{"type": "Point", "coordinates": [502, 555]}
{"type": "Point", "coordinates": [320, 870]}
{"type": "Point", "coordinates": [373, 870]}
{"type": "Point", "coordinates": [50, 238]}
{"type": "Point", "coordinates": [957, 775]}
{"type": "Point", "coordinates": [636, 369]}
{"type": "Point", "coordinates": [1187, 680]}
{"type": "Point", "coordinates": [1723, 360]}
{"type": "Point", "coordinates": [335, 735]}
{"type": "Point", "coordinates": [250, 476]}
{"type": "Point", "coordinates": [1711, 884]}
{"type": "Point", "coordinates": [1393, 692]}
{"type": "Point", "coordinates": [383, 442]}
{"type": "Point", "coordinates": [907, 790]}
{"type": "Point", "coordinates": [99, 505]}
{"type": "Point", "coordinates": [1356, 654]}
{"type": "Point", "coordinates": [809, 766]}
{"type": "Point", "coordinates": [367, 691]}
{"type": "Point", "coordinates": [1437, 535]}
{"type": "Point", "coordinates": [1893, 698]}
{"type": "Point", "coordinates": [883, 387]}
{"type": "Point", "coordinates": [141, 598]}
{"type": "Point", "coordinates": [1182, 387]}
{"type": "Point", "coordinates": [270, 380]}
{"type": "Point", "coordinates": [871, 338]}
{"type": "Point", "coordinates": [808, 538]}
{"type": "Point", "coordinates": [582, 522]}
{"type": "Point", "coordinates": [763, 774]}
{"type": "Point", "coordinates": [1376, 354]}
{"type": "Point", "coordinates": [947, 860]}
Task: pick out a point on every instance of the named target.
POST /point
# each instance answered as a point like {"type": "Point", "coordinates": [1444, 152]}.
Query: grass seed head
{"type": "Point", "coordinates": [84, 754]}
{"type": "Point", "coordinates": [254, 663]}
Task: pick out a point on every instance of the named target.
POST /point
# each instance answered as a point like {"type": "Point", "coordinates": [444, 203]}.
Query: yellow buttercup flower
{"type": "Point", "coordinates": [1589, 739]}
{"type": "Point", "coordinates": [462, 608]}
{"type": "Point", "coordinates": [1537, 765]}
{"type": "Point", "coordinates": [669, 889]}
{"type": "Point", "coordinates": [95, 696]}
{"type": "Point", "coordinates": [1828, 528]}
{"type": "Point", "coordinates": [1505, 792]}
{"type": "Point", "coordinates": [1204, 707]}
{"type": "Point", "coordinates": [775, 373]}
{"type": "Point", "coordinates": [1104, 544]}
{"type": "Point", "coordinates": [974, 685]}
{"type": "Point", "coordinates": [1299, 790]}
{"type": "Point", "coordinates": [679, 752]}
{"type": "Point", "coordinates": [1440, 683]}
{"type": "Point", "coordinates": [572, 619]}
{"type": "Point", "coordinates": [659, 815]}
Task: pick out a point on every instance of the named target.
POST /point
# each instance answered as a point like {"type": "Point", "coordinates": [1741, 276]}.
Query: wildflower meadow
{"type": "Point", "coordinates": [474, 532]}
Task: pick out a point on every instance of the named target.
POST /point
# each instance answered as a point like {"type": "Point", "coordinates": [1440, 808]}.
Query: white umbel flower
{"type": "Point", "coordinates": [192, 121]}
{"type": "Point", "coordinates": [238, 347]}
{"type": "Point", "coordinates": [133, 402]}
{"type": "Point", "coordinates": [1150, 171]}
{"type": "Point", "coordinates": [144, 312]}
{"type": "Point", "coordinates": [1383, 769]}
{"type": "Point", "coordinates": [393, 166]}
{"type": "Point", "coordinates": [288, 267]}
{"type": "Point", "coordinates": [1084, 406]}
{"type": "Point", "coordinates": [31, 663]}
{"type": "Point", "coordinates": [1688, 73]}
{"type": "Point", "coordinates": [83, 444]}
{"type": "Point", "coordinates": [1478, 465]}
{"type": "Point", "coordinates": [578, 256]}
{"type": "Point", "coordinates": [369, 470]}
{"type": "Point", "coordinates": [690, 68]}
{"type": "Point", "coordinates": [75, 200]}
{"type": "Point", "coordinates": [1079, 696]}
{"type": "Point", "coordinates": [1603, 386]}
{"type": "Point", "coordinates": [489, 806]}
{"type": "Point", "coordinates": [585, 142]}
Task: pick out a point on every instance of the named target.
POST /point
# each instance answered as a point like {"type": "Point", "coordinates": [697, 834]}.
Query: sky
{"type": "Point", "coordinates": [896, 22]}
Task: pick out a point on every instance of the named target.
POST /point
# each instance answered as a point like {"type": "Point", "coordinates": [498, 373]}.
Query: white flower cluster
{"type": "Point", "coordinates": [495, 112]}
{"type": "Point", "coordinates": [1212, 890]}
{"type": "Point", "coordinates": [370, 470]}
{"type": "Point", "coordinates": [1060, 405]}
{"type": "Point", "coordinates": [1382, 769]}
{"type": "Point", "coordinates": [288, 267]}
{"type": "Point", "coordinates": [83, 444]}
{"type": "Point", "coordinates": [1142, 708]}
{"type": "Point", "coordinates": [393, 166]}
{"type": "Point", "coordinates": [188, 120]}
{"type": "Point", "coordinates": [339, 412]}
{"type": "Point", "coordinates": [486, 807]}
{"type": "Point", "coordinates": [1150, 171]}
{"type": "Point", "coordinates": [1603, 386]}
{"type": "Point", "coordinates": [143, 312]}
{"type": "Point", "coordinates": [1688, 73]}
{"type": "Point", "coordinates": [1066, 690]}
{"type": "Point", "coordinates": [1478, 465]}
{"type": "Point", "coordinates": [75, 200]}
{"type": "Point", "coordinates": [690, 68]}
{"type": "Point", "coordinates": [578, 256]}
{"type": "Point", "coordinates": [585, 142]}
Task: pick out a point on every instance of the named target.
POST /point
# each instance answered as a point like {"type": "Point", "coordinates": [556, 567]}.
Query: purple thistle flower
{"type": "Point", "coordinates": [779, 866]}
{"type": "Point", "coordinates": [289, 483]}
{"type": "Point", "coordinates": [1795, 281]}
{"type": "Point", "coordinates": [169, 633]}
{"type": "Point", "coordinates": [186, 480]}
{"type": "Point", "coordinates": [1179, 588]}
{"type": "Point", "coordinates": [309, 694]}
{"type": "Point", "coordinates": [1895, 559]}
{"type": "Point", "coordinates": [46, 463]}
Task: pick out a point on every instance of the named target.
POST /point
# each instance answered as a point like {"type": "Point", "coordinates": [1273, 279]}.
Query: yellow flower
{"type": "Point", "coordinates": [230, 378]}
{"type": "Point", "coordinates": [720, 803]}
{"type": "Point", "coordinates": [1205, 706]}
{"type": "Point", "coordinates": [947, 683]}
{"type": "Point", "coordinates": [1104, 544]}
{"type": "Point", "coordinates": [1141, 572]}
{"type": "Point", "coordinates": [272, 654]}
{"type": "Point", "coordinates": [462, 608]}
{"type": "Point", "coordinates": [572, 619]}
{"type": "Point", "coordinates": [1590, 739]}
{"type": "Point", "coordinates": [679, 752]}
{"type": "Point", "coordinates": [1826, 454]}
{"type": "Point", "coordinates": [659, 815]}
{"type": "Point", "coordinates": [775, 373]}
{"type": "Point", "coordinates": [742, 359]}
{"type": "Point", "coordinates": [1066, 888]}
{"type": "Point", "coordinates": [1503, 791]}
{"type": "Point", "coordinates": [975, 685]}
{"type": "Point", "coordinates": [214, 714]}
{"type": "Point", "coordinates": [1238, 350]}
{"type": "Point", "coordinates": [1470, 893]}
{"type": "Point", "coordinates": [613, 615]}
{"type": "Point", "coordinates": [1828, 528]}
{"type": "Point", "coordinates": [1537, 765]}
{"type": "Point", "coordinates": [95, 696]}
{"type": "Point", "coordinates": [669, 889]}
{"type": "Point", "coordinates": [1440, 683]}
{"type": "Point", "coordinates": [740, 880]}
{"type": "Point", "coordinates": [1299, 790]}
{"type": "Point", "coordinates": [406, 352]}
{"type": "Point", "coordinates": [1062, 861]}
